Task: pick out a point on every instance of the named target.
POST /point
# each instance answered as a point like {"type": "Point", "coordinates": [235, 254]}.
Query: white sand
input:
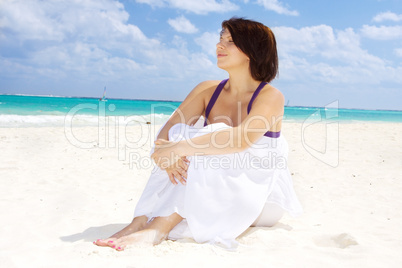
{"type": "Point", "coordinates": [56, 198]}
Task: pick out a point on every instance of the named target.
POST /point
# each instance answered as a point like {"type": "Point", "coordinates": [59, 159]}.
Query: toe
{"type": "Point", "coordinates": [119, 244]}
{"type": "Point", "coordinates": [120, 248]}
{"type": "Point", "coordinates": [101, 243]}
{"type": "Point", "coordinates": [111, 243]}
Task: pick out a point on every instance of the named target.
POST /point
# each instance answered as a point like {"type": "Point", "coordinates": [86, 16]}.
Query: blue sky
{"type": "Point", "coordinates": [346, 51]}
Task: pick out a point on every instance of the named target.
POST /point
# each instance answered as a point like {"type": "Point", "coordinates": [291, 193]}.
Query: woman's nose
{"type": "Point", "coordinates": [219, 45]}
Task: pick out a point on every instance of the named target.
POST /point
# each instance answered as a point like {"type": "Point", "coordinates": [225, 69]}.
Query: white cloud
{"type": "Point", "coordinates": [153, 3]}
{"type": "Point", "coordinates": [382, 32]}
{"type": "Point", "coordinates": [85, 38]}
{"type": "Point", "coordinates": [197, 7]}
{"type": "Point", "coordinates": [182, 25]}
{"type": "Point", "coordinates": [321, 54]}
{"type": "Point", "coordinates": [61, 20]}
{"type": "Point", "coordinates": [207, 41]}
{"type": "Point", "coordinates": [387, 16]}
{"type": "Point", "coordinates": [90, 41]}
{"type": "Point", "coordinates": [62, 45]}
{"type": "Point", "coordinates": [398, 52]}
{"type": "Point", "coordinates": [318, 40]}
{"type": "Point", "coordinates": [278, 7]}
{"type": "Point", "coordinates": [27, 21]}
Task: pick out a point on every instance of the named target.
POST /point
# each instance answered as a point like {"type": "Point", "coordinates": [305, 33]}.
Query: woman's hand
{"type": "Point", "coordinates": [178, 171]}
{"type": "Point", "coordinates": [166, 156]}
{"type": "Point", "coordinates": [166, 153]}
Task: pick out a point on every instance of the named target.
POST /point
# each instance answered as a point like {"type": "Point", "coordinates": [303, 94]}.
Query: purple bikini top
{"type": "Point", "coordinates": [215, 97]}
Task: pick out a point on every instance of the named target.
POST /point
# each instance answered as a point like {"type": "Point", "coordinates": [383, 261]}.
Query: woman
{"type": "Point", "coordinates": [216, 180]}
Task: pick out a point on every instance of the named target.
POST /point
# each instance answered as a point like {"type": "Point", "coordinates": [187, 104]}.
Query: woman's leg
{"type": "Point", "coordinates": [136, 225]}
{"type": "Point", "coordinates": [270, 215]}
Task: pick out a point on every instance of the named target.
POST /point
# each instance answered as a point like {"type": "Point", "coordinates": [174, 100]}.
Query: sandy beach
{"type": "Point", "coordinates": [61, 189]}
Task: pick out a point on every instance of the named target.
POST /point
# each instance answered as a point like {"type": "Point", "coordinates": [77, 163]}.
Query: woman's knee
{"type": "Point", "coordinates": [269, 216]}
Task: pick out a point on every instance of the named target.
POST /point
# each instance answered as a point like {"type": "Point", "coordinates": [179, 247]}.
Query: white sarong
{"type": "Point", "coordinates": [225, 193]}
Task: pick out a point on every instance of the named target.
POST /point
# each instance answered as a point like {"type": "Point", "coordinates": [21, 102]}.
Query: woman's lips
{"type": "Point", "coordinates": [220, 55]}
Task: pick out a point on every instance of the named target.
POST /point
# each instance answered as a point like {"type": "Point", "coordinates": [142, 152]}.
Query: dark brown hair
{"type": "Point", "coordinates": [258, 42]}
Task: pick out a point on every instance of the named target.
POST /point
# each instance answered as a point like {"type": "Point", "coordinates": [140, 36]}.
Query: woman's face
{"type": "Point", "coordinates": [228, 54]}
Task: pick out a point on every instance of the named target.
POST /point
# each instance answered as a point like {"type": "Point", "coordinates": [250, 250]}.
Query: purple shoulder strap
{"type": "Point", "coordinates": [213, 99]}
{"type": "Point", "coordinates": [255, 96]}
{"type": "Point", "coordinates": [268, 133]}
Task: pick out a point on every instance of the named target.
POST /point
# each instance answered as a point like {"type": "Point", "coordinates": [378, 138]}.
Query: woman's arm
{"type": "Point", "coordinates": [191, 108]}
{"type": "Point", "coordinates": [188, 112]}
{"type": "Point", "coordinates": [266, 114]}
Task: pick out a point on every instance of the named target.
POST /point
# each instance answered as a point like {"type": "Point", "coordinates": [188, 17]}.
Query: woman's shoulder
{"type": "Point", "coordinates": [205, 88]}
{"type": "Point", "coordinates": [268, 91]}
{"type": "Point", "coordinates": [208, 84]}
{"type": "Point", "coordinates": [203, 91]}
{"type": "Point", "coordinates": [269, 96]}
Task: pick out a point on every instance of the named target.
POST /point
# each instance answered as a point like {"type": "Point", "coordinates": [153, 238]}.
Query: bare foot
{"type": "Point", "coordinates": [105, 242]}
{"type": "Point", "coordinates": [147, 237]}
{"type": "Point", "coordinates": [141, 232]}
{"type": "Point", "coordinates": [137, 224]}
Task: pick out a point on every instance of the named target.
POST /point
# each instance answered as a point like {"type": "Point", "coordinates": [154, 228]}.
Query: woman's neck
{"type": "Point", "coordinates": [241, 83]}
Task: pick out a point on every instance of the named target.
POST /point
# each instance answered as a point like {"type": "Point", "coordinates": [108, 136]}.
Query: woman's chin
{"type": "Point", "coordinates": [221, 66]}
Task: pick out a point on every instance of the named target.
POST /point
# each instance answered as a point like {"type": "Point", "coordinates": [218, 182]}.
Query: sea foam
{"type": "Point", "coordinates": [17, 121]}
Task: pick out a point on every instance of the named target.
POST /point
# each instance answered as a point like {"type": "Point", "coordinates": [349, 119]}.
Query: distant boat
{"type": "Point", "coordinates": [104, 96]}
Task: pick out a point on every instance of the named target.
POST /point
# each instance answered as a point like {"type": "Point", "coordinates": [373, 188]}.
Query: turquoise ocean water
{"type": "Point", "coordinates": [17, 111]}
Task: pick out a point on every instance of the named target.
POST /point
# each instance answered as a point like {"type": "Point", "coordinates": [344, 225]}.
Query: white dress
{"type": "Point", "coordinates": [224, 194]}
